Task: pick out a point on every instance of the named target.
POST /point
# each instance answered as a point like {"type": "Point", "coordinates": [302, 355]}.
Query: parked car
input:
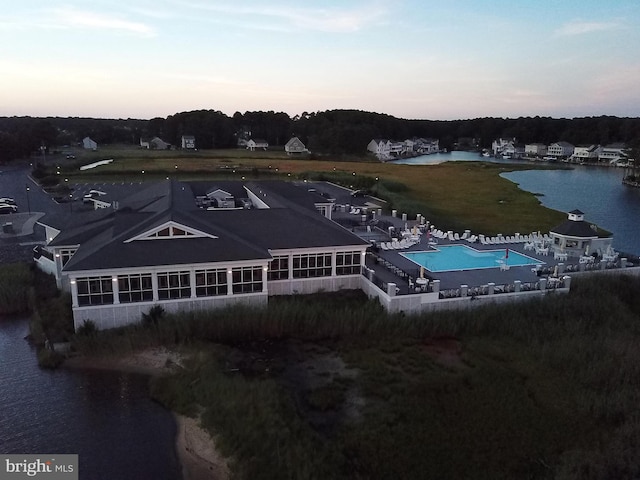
{"type": "Point", "coordinates": [5, 208]}
{"type": "Point", "coordinates": [92, 194]}
{"type": "Point", "coordinates": [8, 201]}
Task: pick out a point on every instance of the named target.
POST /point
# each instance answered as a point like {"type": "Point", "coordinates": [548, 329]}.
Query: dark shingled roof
{"type": "Point", "coordinates": [572, 228]}
{"type": "Point", "coordinates": [104, 235]}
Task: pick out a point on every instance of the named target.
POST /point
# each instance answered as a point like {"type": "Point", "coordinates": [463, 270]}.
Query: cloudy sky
{"type": "Point", "coordinates": [447, 59]}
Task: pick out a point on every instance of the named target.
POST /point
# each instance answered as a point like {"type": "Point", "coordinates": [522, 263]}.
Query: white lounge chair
{"type": "Point", "coordinates": [456, 236]}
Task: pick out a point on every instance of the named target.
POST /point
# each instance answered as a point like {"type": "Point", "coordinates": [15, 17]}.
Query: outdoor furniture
{"type": "Point", "coordinates": [422, 283]}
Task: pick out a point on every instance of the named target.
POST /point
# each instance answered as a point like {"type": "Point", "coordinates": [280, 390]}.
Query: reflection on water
{"type": "Point", "coordinates": [105, 417]}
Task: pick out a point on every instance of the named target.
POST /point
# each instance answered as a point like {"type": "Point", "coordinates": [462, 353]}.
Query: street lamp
{"type": "Point", "coordinates": [28, 202]}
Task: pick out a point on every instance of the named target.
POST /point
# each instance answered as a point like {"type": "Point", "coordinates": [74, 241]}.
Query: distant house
{"type": "Point", "coordinates": [585, 153]}
{"type": "Point", "coordinates": [560, 150]}
{"type": "Point", "coordinates": [252, 144]}
{"type": "Point", "coordinates": [188, 142]}
{"type": "Point", "coordinates": [503, 146]}
{"type": "Point", "coordinates": [89, 144]}
{"type": "Point", "coordinates": [156, 143]}
{"type": "Point", "coordinates": [381, 148]}
{"type": "Point", "coordinates": [613, 153]}
{"type": "Point", "coordinates": [426, 145]}
{"type": "Point", "coordinates": [295, 145]}
{"type": "Point", "coordinates": [535, 149]}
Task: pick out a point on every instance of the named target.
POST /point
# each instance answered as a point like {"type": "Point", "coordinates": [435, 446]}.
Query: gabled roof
{"type": "Point", "coordinates": [293, 141]}
{"type": "Point", "coordinates": [128, 237]}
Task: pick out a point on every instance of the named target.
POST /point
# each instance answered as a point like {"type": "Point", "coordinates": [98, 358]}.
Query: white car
{"type": "Point", "coordinates": [7, 200]}
{"type": "Point", "coordinates": [7, 208]}
{"type": "Point", "coordinates": [91, 195]}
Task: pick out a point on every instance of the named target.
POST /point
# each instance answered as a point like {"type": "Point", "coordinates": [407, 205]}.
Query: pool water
{"type": "Point", "coordinates": [451, 258]}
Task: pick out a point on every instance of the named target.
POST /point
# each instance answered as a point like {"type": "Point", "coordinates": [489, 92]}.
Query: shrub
{"type": "Point", "coordinates": [87, 329]}
{"type": "Point", "coordinates": [156, 313]}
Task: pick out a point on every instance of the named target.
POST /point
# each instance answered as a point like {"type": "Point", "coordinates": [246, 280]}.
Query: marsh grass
{"type": "Point", "coordinates": [453, 195]}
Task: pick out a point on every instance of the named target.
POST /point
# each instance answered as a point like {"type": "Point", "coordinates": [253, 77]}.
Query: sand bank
{"type": "Point", "coordinates": [195, 448]}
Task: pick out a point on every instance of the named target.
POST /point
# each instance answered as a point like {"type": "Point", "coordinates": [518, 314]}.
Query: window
{"type": "Point", "coordinates": [348, 263]}
{"type": "Point", "coordinates": [278, 268]}
{"type": "Point", "coordinates": [312, 265]}
{"type": "Point", "coordinates": [94, 291]}
{"type": "Point", "coordinates": [171, 231]}
{"type": "Point", "coordinates": [65, 255]}
{"type": "Point", "coordinates": [211, 282]}
{"type": "Point", "coordinates": [135, 288]}
{"type": "Point", "coordinates": [174, 285]}
{"type": "Point", "coordinates": [247, 279]}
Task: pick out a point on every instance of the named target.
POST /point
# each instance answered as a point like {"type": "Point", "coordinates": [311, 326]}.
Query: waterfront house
{"type": "Point", "coordinates": [380, 147]}
{"type": "Point", "coordinates": [503, 146]}
{"type": "Point", "coordinates": [161, 246]}
{"type": "Point", "coordinates": [427, 145]}
{"type": "Point", "coordinates": [613, 153]}
{"type": "Point", "coordinates": [560, 150]}
{"type": "Point", "coordinates": [535, 149]}
{"type": "Point", "coordinates": [585, 153]}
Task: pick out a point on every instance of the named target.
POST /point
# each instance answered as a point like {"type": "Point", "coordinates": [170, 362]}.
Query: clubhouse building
{"type": "Point", "coordinates": [198, 245]}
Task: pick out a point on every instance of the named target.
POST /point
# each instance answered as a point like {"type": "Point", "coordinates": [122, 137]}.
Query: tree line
{"type": "Point", "coordinates": [331, 131]}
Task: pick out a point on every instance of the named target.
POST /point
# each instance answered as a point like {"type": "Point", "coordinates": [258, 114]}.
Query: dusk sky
{"type": "Point", "coordinates": [440, 60]}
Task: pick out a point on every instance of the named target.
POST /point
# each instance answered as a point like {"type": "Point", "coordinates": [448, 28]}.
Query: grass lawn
{"type": "Point", "coordinates": [454, 195]}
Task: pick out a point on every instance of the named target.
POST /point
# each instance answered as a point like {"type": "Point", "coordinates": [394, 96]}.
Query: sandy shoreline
{"type": "Point", "coordinates": [195, 448]}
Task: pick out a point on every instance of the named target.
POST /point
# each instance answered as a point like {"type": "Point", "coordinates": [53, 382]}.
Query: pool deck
{"type": "Point", "coordinates": [472, 278]}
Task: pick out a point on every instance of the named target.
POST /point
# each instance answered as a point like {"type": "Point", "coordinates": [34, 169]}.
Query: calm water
{"type": "Point", "coordinates": [597, 191]}
{"type": "Point", "coordinates": [106, 418]}
{"type": "Point", "coordinates": [449, 258]}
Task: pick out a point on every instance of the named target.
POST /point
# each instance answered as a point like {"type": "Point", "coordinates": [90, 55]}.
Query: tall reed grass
{"type": "Point", "coordinates": [547, 388]}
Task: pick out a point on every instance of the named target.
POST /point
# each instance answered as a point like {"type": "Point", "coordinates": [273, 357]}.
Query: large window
{"type": "Point", "coordinates": [247, 279]}
{"type": "Point", "coordinates": [94, 291]}
{"type": "Point", "coordinates": [135, 288]}
{"type": "Point", "coordinates": [348, 263]}
{"type": "Point", "coordinates": [312, 265]}
{"type": "Point", "coordinates": [211, 282]}
{"type": "Point", "coordinates": [173, 285]}
{"type": "Point", "coordinates": [279, 268]}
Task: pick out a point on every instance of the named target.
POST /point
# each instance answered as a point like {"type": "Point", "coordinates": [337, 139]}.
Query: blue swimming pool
{"type": "Point", "coordinates": [451, 258]}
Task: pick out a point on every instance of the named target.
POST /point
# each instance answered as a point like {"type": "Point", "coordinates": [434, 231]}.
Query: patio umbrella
{"type": "Point", "coordinates": [506, 253]}
{"type": "Point", "coordinates": [586, 250]}
{"type": "Point", "coordinates": [421, 272]}
{"type": "Point", "coordinates": [555, 271]}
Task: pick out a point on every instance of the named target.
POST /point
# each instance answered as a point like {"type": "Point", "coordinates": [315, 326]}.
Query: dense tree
{"type": "Point", "coordinates": [331, 131]}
